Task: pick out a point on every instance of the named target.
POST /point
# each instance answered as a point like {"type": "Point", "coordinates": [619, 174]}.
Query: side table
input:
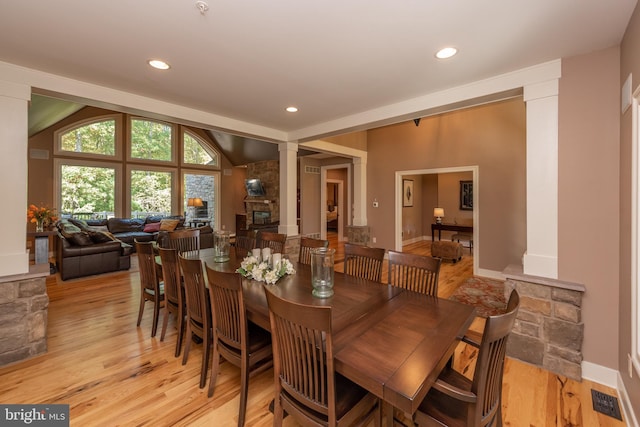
{"type": "Point", "coordinates": [41, 239]}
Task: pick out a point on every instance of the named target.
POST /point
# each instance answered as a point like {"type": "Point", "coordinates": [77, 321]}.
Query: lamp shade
{"type": "Point", "coordinates": [438, 212]}
{"type": "Point", "coordinates": [194, 201]}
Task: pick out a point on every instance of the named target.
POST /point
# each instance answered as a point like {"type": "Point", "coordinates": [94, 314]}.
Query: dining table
{"type": "Point", "coordinates": [390, 341]}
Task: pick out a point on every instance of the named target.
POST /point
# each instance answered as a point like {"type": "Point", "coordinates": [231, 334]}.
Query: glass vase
{"type": "Point", "coordinates": [39, 225]}
{"type": "Point", "coordinates": [322, 268]}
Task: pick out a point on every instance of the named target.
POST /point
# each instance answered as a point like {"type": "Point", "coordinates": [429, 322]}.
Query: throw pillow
{"type": "Point", "coordinates": [81, 239]}
{"type": "Point", "coordinates": [100, 236]}
{"type": "Point", "coordinates": [169, 224]}
{"type": "Point", "coordinates": [152, 227]}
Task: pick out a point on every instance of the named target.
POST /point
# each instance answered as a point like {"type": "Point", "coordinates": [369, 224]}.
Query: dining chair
{"type": "Point", "coordinates": [173, 294]}
{"type": "Point", "coordinates": [418, 273]}
{"type": "Point", "coordinates": [151, 287]}
{"type": "Point", "coordinates": [455, 400]}
{"type": "Point", "coordinates": [184, 240]}
{"type": "Point", "coordinates": [235, 338]}
{"type": "Point", "coordinates": [306, 384]}
{"type": "Point", "coordinates": [275, 241]}
{"type": "Point", "coordinates": [245, 241]}
{"type": "Point", "coordinates": [474, 337]}
{"type": "Point", "coordinates": [198, 312]}
{"type": "Point", "coordinates": [363, 261]}
{"type": "Point", "coordinates": [308, 243]}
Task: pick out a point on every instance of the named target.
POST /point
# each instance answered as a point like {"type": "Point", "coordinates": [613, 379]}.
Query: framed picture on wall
{"type": "Point", "coordinates": [407, 193]}
{"type": "Point", "coordinates": [466, 195]}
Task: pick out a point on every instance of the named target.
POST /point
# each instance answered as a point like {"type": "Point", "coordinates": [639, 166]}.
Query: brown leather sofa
{"type": "Point", "coordinates": [80, 254]}
{"type": "Point", "coordinates": [87, 247]}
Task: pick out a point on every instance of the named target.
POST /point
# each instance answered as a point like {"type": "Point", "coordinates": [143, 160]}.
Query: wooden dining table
{"type": "Point", "coordinates": [390, 341]}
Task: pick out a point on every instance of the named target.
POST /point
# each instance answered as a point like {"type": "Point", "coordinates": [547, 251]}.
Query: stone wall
{"type": "Point", "coordinates": [549, 330]}
{"type": "Point", "coordinates": [359, 234]}
{"type": "Point", "coordinates": [23, 319]}
{"type": "Point", "coordinates": [269, 173]}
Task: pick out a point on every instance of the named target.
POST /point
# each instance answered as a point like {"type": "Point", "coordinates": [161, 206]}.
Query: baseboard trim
{"type": "Point", "coordinates": [490, 274]}
{"type": "Point", "coordinates": [627, 408]}
{"type": "Point", "coordinates": [600, 374]}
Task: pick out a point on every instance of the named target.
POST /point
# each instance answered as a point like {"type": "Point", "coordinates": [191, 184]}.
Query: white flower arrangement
{"type": "Point", "coordinates": [253, 268]}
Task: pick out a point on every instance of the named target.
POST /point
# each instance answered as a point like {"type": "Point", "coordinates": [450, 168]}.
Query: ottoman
{"type": "Point", "coordinates": [446, 250]}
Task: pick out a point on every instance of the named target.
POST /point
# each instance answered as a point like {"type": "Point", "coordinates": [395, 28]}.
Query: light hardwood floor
{"type": "Point", "coordinates": [112, 373]}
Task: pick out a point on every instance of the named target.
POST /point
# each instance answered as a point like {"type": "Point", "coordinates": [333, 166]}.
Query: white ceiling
{"type": "Point", "coordinates": [248, 60]}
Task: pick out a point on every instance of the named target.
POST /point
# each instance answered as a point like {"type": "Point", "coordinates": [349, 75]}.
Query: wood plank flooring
{"type": "Point", "coordinates": [112, 373]}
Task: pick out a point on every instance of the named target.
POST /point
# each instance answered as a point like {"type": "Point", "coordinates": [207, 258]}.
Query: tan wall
{"type": "Point", "coordinates": [629, 63]}
{"type": "Point", "coordinates": [412, 215]}
{"type": "Point", "coordinates": [489, 136]}
{"type": "Point", "coordinates": [40, 180]}
{"type": "Point", "coordinates": [309, 197]}
{"type": "Point", "coordinates": [588, 158]}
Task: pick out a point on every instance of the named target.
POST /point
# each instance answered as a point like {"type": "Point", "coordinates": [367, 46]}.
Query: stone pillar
{"type": "Point", "coordinates": [359, 235]}
{"type": "Point", "coordinates": [23, 319]}
{"type": "Point", "coordinates": [549, 329]}
{"type": "Point", "coordinates": [359, 191]}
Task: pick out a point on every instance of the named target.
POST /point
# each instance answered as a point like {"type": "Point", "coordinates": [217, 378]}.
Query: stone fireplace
{"type": "Point", "coordinates": [264, 211]}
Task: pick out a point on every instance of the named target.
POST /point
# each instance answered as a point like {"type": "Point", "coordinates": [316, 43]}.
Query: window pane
{"type": "Point", "coordinates": [150, 140]}
{"type": "Point", "coordinates": [202, 187]}
{"type": "Point", "coordinates": [150, 193]}
{"type": "Point", "coordinates": [95, 138]}
{"type": "Point", "coordinates": [86, 189]}
{"type": "Point", "coordinates": [194, 152]}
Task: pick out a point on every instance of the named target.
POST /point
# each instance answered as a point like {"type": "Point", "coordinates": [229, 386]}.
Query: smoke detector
{"type": "Point", "coordinates": [202, 6]}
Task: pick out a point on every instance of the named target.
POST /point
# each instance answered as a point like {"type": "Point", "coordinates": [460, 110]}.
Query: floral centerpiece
{"type": "Point", "coordinates": [40, 216]}
{"type": "Point", "coordinates": [262, 271]}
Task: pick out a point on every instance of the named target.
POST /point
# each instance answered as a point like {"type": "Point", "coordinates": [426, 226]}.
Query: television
{"type": "Point", "coordinates": [254, 188]}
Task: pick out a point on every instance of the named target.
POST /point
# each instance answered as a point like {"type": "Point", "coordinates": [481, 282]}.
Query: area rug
{"type": "Point", "coordinates": [486, 295]}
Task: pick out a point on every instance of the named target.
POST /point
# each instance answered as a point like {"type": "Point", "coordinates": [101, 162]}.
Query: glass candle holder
{"type": "Point", "coordinates": [322, 271]}
{"type": "Point", "coordinates": [221, 245]}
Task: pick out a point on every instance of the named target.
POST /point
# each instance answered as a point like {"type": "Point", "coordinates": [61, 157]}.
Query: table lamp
{"type": "Point", "coordinates": [438, 213]}
{"type": "Point", "coordinates": [194, 202]}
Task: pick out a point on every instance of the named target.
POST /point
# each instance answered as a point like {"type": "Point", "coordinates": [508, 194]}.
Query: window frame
{"type": "Point", "coordinates": [174, 156]}
{"type": "Point", "coordinates": [57, 176]}
{"type": "Point", "coordinates": [151, 168]}
{"type": "Point", "coordinates": [57, 137]}
{"type": "Point", "coordinates": [205, 146]}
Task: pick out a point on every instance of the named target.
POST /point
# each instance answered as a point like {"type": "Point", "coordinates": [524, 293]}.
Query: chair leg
{"type": "Point", "coordinates": [244, 390]}
{"type": "Point", "coordinates": [278, 412]}
{"type": "Point", "coordinates": [180, 332]}
{"type": "Point", "coordinates": [206, 350]}
{"type": "Point", "coordinates": [141, 309]}
{"type": "Point", "coordinates": [156, 312]}
{"type": "Point", "coordinates": [215, 366]}
{"type": "Point", "coordinates": [165, 321]}
{"type": "Point", "coordinates": [187, 346]}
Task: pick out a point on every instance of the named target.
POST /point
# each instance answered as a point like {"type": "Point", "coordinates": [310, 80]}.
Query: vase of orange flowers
{"type": "Point", "coordinates": [40, 216]}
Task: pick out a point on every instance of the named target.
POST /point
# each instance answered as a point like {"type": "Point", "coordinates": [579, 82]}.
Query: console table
{"type": "Point", "coordinates": [449, 227]}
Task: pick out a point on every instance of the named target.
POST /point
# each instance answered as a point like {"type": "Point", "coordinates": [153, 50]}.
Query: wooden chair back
{"type": "Point", "coordinates": [174, 293]}
{"type": "Point", "coordinates": [198, 311]}
{"type": "Point", "coordinates": [487, 378]}
{"type": "Point", "coordinates": [306, 244]}
{"type": "Point", "coordinates": [228, 312]}
{"type": "Point", "coordinates": [150, 283]}
{"type": "Point", "coordinates": [363, 261]}
{"type": "Point", "coordinates": [456, 400]}
{"type": "Point", "coordinates": [275, 241]}
{"type": "Point", "coordinates": [417, 273]}
{"type": "Point", "coordinates": [185, 240]}
{"type": "Point", "coordinates": [302, 336]}
{"type": "Point", "coordinates": [307, 386]}
{"type": "Point", "coordinates": [245, 241]}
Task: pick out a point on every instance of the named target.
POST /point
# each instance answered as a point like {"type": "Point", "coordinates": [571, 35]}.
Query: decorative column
{"type": "Point", "coordinates": [541, 258]}
{"type": "Point", "coordinates": [288, 181]}
{"type": "Point", "coordinates": [14, 98]}
{"type": "Point", "coordinates": [359, 190]}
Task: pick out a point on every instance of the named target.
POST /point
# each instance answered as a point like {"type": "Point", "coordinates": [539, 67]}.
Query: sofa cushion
{"type": "Point", "coordinates": [169, 224]}
{"type": "Point", "coordinates": [100, 236]}
{"type": "Point", "coordinates": [151, 227]}
{"type": "Point", "coordinates": [80, 238]}
{"type": "Point", "coordinates": [125, 225]}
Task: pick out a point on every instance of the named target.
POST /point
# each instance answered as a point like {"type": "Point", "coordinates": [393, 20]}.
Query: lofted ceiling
{"type": "Point", "coordinates": [245, 62]}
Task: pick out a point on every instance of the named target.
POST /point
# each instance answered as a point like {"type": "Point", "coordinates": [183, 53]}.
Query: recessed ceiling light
{"type": "Point", "coordinates": [447, 52]}
{"type": "Point", "coordinates": [160, 65]}
{"type": "Point", "coordinates": [292, 109]}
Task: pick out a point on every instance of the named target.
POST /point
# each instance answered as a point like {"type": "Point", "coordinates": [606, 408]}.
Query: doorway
{"type": "Point", "coordinates": [335, 182]}
{"type": "Point", "coordinates": [409, 174]}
